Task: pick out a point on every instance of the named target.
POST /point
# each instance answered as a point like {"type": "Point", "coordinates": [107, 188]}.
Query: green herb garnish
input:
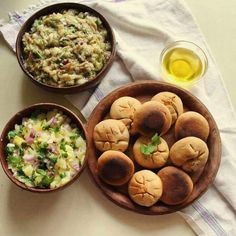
{"type": "Point", "coordinates": [63, 145]}
{"type": "Point", "coordinates": [41, 171]}
{"type": "Point", "coordinates": [37, 54]}
{"type": "Point", "coordinates": [63, 175]}
{"type": "Point", "coordinates": [46, 181]}
{"type": "Point", "coordinates": [14, 161]}
{"type": "Point", "coordinates": [151, 147]}
{"type": "Point", "coordinates": [11, 135]}
{"type": "Point", "coordinates": [57, 129]}
{"type": "Point", "coordinates": [10, 150]}
{"type": "Point", "coordinates": [64, 154]}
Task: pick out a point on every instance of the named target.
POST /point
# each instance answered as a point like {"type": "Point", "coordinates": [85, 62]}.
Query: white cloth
{"type": "Point", "coordinates": [142, 29]}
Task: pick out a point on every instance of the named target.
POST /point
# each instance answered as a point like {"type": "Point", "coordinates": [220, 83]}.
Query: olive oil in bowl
{"type": "Point", "coordinates": [183, 63]}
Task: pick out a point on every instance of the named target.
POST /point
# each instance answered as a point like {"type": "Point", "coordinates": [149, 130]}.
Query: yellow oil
{"type": "Point", "coordinates": [182, 65]}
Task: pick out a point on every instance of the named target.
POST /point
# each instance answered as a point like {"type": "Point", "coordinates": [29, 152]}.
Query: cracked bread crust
{"type": "Point", "coordinates": [177, 185]}
{"type": "Point", "coordinates": [150, 118]}
{"type": "Point", "coordinates": [145, 188]}
{"type": "Point", "coordinates": [123, 109]}
{"type": "Point", "coordinates": [111, 135]}
{"type": "Point", "coordinates": [190, 153]}
{"type": "Point", "coordinates": [172, 102]}
{"type": "Point", "coordinates": [155, 160]}
{"type": "Point", "coordinates": [192, 124]}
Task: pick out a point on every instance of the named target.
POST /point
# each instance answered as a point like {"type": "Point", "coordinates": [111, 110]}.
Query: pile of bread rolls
{"type": "Point", "coordinates": [164, 171]}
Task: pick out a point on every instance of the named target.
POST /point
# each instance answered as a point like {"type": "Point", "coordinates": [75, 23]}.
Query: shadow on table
{"type": "Point", "coordinates": [31, 93]}
{"type": "Point", "coordinates": [24, 206]}
{"type": "Point", "coordinates": [143, 223]}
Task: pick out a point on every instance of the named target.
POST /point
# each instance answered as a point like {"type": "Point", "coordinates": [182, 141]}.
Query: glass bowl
{"type": "Point", "coordinates": [183, 63]}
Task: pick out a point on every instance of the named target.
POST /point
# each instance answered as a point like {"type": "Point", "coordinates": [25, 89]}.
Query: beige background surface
{"type": "Point", "coordinates": [81, 209]}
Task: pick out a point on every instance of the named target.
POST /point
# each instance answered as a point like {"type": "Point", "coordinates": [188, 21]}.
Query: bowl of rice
{"type": "Point", "coordinates": [43, 148]}
{"type": "Point", "coordinates": [66, 47]}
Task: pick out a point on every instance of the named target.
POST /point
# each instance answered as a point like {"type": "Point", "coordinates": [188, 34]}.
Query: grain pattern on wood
{"type": "Point", "coordinates": [143, 91]}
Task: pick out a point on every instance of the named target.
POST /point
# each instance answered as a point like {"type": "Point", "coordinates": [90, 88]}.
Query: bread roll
{"type": "Point", "coordinates": [155, 160]}
{"type": "Point", "coordinates": [192, 124]}
{"type": "Point", "coordinates": [152, 117]}
{"type": "Point", "coordinates": [115, 168]}
{"type": "Point", "coordinates": [189, 153]}
{"type": "Point", "coordinates": [145, 188]}
{"type": "Point", "coordinates": [172, 102]}
{"type": "Point", "coordinates": [123, 109]}
{"type": "Point", "coordinates": [111, 135]}
{"type": "Point", "coordinates": [177, 185]}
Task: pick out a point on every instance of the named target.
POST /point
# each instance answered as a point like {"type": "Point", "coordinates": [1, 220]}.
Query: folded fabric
{"type": "Point", "coordinates": [142, 28]}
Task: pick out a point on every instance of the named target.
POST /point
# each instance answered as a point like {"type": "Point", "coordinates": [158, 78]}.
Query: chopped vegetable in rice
{"type": "Point", "coordinates": [46, 150]}
{"type": "Point", "coordinates": [66, 49]}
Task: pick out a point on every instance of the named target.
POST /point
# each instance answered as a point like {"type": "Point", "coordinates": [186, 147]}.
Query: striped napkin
{"type": "Point", "coordinates": [142, 29]}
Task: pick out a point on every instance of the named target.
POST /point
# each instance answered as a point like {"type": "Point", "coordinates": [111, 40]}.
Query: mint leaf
{"type": "Point", "coordinates": [144, 149]}
{"type": "Point", "coordinates": [151, 147]}
{"type": "Point", "coordinates": [156, 139]}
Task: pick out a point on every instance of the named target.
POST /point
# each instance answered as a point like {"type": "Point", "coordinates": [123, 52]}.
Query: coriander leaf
{"type": "Point", "coordinates": [63, 146]}
{"type": "Point", "coordinates": [10, 150]}
{"type": "Point", "coordinates": [41, 172]}
{"type": "Point", "coordinates": [64, 154]}
{"type": "Point", "coordinates": [57, 129]}
{"type": "Point", "coordinates": [63, 175]}
{"type": "Point", "coordinates": [14, 161]}
{"type": "Point", "coordinates": [46, 181]}
{"type": "Point", "coordinates": [11, 135]}
{"type": "Point", "coordinates": [21, 151]}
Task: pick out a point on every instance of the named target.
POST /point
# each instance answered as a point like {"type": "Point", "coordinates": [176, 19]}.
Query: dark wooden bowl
{"type": "Point", "coordinates": [57, 8]}
{"type": "Point", "coordinates": [143, 91]}
{"type": "Point", "coordinates": [17, 119]}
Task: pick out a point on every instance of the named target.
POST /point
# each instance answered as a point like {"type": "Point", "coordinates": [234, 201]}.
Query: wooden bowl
{"type": "Point", "coordinates": [17, 119]}
{"type": "Point", "coordinates": [57, 8]}
{"type": "Point", "coordinates": [143, 91]}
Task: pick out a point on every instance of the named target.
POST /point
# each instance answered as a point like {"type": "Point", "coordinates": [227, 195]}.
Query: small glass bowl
{"type": "Point", "coordinates": [188, 46]}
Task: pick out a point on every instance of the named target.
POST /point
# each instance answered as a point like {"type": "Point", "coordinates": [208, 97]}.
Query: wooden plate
{"type": "Point", "coordinates": [143, 91]}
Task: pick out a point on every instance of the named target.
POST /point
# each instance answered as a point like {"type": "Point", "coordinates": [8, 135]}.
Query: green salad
{"type": "Point", "coordinates": [66, 48]}
{"type": "Point", "coordinates": [46, 150]}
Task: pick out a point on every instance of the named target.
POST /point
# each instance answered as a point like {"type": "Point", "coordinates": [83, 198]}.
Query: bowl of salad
{"type": "Point", "coordinates": [43, 148]}
{"type": "Point", "coordinates": [66, 47]}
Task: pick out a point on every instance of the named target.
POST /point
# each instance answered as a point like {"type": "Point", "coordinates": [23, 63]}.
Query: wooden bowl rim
{"type": "Point", "coordinates": [103, 187]}
{"type": "Point", "coordinates": [29, 110]}
{"type": "Point", "coordinates": [48, 10]}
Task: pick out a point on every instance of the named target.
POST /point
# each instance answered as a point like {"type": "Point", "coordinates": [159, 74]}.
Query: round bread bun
{"type": "Point", "coordinates": [152, 117]}
{"type": "Point", "coordinates": [115, 168]}
{"type": "Point", "coordinates": [192, 124]}
{"type": "Point", "coordinates": [123, 109]}
{"type": "Point", "coordinates": [172, 102]}
{"type": "Point", "coordinates": [189, 153]}
{"type": "Point", "coordinates": [145, 188]}
{"type": "Point", "coordinates": [111, 135]}
{"type": "Point", "coordinates": [177, 185]}
{"type": "Point", "coordinates": [152, 161]}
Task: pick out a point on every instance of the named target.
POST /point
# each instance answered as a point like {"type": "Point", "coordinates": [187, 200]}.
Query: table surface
{"type": "Point", "coordinates": [81, 209]}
